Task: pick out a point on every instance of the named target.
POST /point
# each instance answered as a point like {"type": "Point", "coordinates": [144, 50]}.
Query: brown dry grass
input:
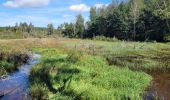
{"type": "Point", "coordinates": [27, 44]}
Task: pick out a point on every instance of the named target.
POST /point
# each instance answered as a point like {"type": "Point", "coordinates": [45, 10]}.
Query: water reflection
{"type": "Point", "coordinates": [15, 86]}
{"type": "Point", "coordinates": [160, 89]}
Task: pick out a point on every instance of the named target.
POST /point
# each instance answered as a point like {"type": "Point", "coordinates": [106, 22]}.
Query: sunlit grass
{"type": "Point", "coordinates": [135, 55]}
{"type": "Point", "coordinates": [88, 69]}
{"type": "Point", "coordinates": [87, 77]}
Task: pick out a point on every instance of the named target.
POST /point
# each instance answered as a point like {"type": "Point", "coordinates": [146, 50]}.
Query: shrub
{"type": "Point", "coordinates": [103, 38]}
{"type": "Point", "coordinates": [167, 37]}
{"type": "Point", "coordinates": [38, 92]}
{"type": "Point", "coordinates": [74, 56]}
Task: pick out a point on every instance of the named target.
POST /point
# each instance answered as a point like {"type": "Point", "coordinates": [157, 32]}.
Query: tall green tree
{"type": "Point", "coordinates": [136, 6]}
{"type": "Point", "coordinates": [30, 28]}
{"type": "Point", "coordinates": [69, 30]}
{"type": "Point", "coordinates": [23, 26]}
{"type": "Point", "coordinates": [137, 20]}
{"type": "Point", "coordinates": [79, 26]}
{"type": "Point", "coordinates": [93, 14]}
{"type": "Point", "coordinates": [50, 29]}
{"type": "Point", "coordinates": [16, 27]}
{"type": "Point", "coordinates": [163, 10]}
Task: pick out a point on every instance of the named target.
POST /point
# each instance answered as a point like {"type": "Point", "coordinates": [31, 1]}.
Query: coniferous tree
{"type": "Point", "coordinates": [30, 28]}
{"type": "Point", "coordinates": [50, 29]}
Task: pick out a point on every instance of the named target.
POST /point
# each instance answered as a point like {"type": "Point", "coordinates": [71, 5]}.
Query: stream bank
{"type": "Point", "coordinates": [15, 86]}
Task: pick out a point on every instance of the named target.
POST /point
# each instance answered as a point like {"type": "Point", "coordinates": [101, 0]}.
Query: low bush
{"type": "Point", "coordinates": [38, 91]}
{"type": "Point", "coordinates": [103, 38]}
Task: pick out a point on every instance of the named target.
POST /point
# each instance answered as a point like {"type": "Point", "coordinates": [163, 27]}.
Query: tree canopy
{"type": "Point", "coordinates": [137, 20]}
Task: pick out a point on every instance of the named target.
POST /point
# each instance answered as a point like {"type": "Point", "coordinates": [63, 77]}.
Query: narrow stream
{"type": "Point", "coordinates": [15, 86]}
{"type": "Point", "coordinates": [160, 88]}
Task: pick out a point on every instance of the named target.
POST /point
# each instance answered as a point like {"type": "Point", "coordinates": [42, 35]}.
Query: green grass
{"type": "Point", "coordinates": [134, 55]}
{"type": "Point", "coordinates": [88, 69]}
{"type": "Point", "coordinates": [77, 76]}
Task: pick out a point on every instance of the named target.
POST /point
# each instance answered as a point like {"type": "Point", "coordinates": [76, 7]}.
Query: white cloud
{"type": "Point", "coordinates": [66, 15]}
{"type": "Point", "coordinates": [79, 8]}
{"type": "Point", "coordinates": [100, 5]}
{"type": "Point", "coordinates": [26, 3]}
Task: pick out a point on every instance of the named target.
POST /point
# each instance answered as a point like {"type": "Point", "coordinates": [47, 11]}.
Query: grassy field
{"type": "Point", "coordinates": [88, 69]}
{"type": "Point", "coordinates": [73, 75]}
{"type": "Point", "coordinates": [134, 55]}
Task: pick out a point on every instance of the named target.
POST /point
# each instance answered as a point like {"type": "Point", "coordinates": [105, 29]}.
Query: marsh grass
{"type": "Point", "coordinates": [85, 69]}
{"type": "Point", "coordinates": [82, 76]}
{"type": "Point", "coordinates": [134, 55]}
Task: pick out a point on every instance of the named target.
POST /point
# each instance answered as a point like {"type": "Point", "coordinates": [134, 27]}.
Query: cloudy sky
{"type": "Point", "coordinates": [42, 12]}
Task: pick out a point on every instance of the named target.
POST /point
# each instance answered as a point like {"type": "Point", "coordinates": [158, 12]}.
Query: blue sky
{"type": "Point", "coordinates": [42, 12]}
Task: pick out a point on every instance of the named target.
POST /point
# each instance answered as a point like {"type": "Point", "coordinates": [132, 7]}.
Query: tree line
{"type": "Point", "coordinates": [25, 29]}
{"type": "Point", "coordinates": [135, 20]}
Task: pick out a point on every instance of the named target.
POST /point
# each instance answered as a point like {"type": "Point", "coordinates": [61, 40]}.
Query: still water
{"type": "Point", "coordinates": [160, 88]}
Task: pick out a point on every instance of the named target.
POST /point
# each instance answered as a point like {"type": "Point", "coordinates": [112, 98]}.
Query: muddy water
{"type": "Point", "coordinates": [160, 88]}
{"type": "Point", "coordinates": [15, 86]}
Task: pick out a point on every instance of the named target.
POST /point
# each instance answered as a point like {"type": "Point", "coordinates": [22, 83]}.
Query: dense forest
{"type": "Point", "coordinates": [132, 20]}
{"type": "Point", "coordinates": [138, 20]}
